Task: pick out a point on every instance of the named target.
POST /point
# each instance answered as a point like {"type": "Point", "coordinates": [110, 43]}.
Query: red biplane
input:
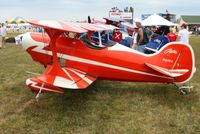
{"type": "Point", "coordinates": [77, 54]}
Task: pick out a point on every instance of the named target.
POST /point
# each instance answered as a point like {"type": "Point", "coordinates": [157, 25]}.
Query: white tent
{"type": "Point", "coordinates": [156, 20]}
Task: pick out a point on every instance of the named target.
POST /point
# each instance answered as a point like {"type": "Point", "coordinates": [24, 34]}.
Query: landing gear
{"type": "Point", "coordinates": [38, 94]}
{"type": "Point", "coordinates": [184, 89]}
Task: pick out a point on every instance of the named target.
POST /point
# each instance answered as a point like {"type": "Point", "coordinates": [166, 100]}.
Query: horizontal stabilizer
{"type": "Point", "coordinates": [168, 72]}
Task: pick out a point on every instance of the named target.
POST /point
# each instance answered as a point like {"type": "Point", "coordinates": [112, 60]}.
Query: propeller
{"type": "Point", "coordinates": [89, 19]}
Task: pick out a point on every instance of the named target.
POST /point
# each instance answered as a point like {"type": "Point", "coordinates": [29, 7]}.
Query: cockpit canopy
{"type": "Point", "coordinates": [98, 39]}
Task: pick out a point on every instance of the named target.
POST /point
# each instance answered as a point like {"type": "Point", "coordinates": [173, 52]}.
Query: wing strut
{"type": "Point", "coordinates": [53, 71]}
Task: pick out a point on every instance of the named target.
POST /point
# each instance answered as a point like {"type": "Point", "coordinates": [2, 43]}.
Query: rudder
{"type": "Point", "coordinates": [173, 59]}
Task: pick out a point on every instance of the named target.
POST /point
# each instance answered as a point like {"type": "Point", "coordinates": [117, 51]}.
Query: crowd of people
{"type": "Point", "coordinates": [195, 30]}
{"type": "Point", "coordinates": [143, 35]}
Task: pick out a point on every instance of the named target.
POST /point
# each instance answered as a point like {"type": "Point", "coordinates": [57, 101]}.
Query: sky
{"type": "Point", "coordinates": [78, 10]}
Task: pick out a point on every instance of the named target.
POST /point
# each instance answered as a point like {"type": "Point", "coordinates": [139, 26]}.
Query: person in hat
{"type": "Point", "coordinates": [140, 32]}
{"type": "Point", "coordinates": [183, 35]}
{"type": "Point", "coordinates": [143, 37]}
{"type": "Point", "coordinates": [135, 37]}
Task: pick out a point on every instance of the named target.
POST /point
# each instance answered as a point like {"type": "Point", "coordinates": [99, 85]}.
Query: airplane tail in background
{"type": "Point", "coordinates": [175, 60]}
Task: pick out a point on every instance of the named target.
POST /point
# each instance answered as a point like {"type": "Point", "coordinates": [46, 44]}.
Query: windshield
{"type": "Point", "coordinates": [97, 40]}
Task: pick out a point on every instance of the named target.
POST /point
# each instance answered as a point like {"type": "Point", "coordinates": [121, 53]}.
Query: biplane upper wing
{"type": "Point", "coordinates": [55, 75]}
{"type": "Point", "coordinates": [71, 26]}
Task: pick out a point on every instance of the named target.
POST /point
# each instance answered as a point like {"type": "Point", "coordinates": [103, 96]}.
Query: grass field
{"type": "Point", "coordinates": [106, 107]}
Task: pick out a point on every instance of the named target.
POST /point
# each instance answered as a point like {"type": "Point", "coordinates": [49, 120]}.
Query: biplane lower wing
{"type": "Point", "coordinates": [76, 79]}
{"type": "Point", "coordinates": [55, 83]}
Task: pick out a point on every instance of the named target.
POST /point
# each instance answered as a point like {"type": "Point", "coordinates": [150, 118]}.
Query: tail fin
{"type": "Point", "coordinates": [176, 60]}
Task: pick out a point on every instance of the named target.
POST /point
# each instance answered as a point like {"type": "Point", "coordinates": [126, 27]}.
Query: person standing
{"type": "Point", "coordinates": [0, 38]}
{"type": "Point", "coordinates": [196, 30]}
{"type": "Point", "coordinates": [3, 36]}
{"type": "Point", "coordinates": [183, 34]}
{"type": "Point", "coordinates": [135, 37]}
{"type": "Point", "coordinates": [142, 41]}
{"type": "Point", "coordinates": [171, 36]}
{"type": "Point", "coordinates": [149, 34]}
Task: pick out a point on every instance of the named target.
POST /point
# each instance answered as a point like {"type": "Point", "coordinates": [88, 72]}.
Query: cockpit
{"type": "Point", "coordinates": [98, 39]}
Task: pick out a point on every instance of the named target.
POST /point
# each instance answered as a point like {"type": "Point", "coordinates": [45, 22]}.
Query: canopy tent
{"type": "Point", "coordinates": [16, 20]}
{"type": "Point", "coordinates": [156, 20]}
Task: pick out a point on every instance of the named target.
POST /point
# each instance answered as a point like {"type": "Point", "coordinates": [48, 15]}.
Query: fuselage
{"type": "Point", "coordinates": [115, 62]}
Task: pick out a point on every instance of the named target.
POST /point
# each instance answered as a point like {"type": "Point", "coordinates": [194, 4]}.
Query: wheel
{"type": "Point", "coordinates": [183, 91]}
